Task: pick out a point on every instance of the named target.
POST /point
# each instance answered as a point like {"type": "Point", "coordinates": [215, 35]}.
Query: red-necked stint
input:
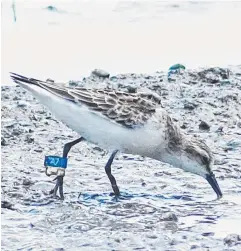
{"type": "Point", "coordinates": [133, 123]}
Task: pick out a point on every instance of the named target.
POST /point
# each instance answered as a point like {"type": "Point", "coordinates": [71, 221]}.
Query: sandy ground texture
{"type": "Point", "coordinates": [161, 208]}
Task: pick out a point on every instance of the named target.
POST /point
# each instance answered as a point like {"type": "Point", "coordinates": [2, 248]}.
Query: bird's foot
{"type": "Point", "coordinates": [58, 186]}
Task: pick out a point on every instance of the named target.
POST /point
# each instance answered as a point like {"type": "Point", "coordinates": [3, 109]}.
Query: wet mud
{"type": "Point", "coordinates": [160, 207]}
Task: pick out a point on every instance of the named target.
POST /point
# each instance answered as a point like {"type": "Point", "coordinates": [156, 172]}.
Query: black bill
{"type": "Point", "coordinates": [214, 184]}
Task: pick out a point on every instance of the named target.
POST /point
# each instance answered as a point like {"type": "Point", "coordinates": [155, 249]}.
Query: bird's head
{"type": "Point", "coordinates": [197, 158]}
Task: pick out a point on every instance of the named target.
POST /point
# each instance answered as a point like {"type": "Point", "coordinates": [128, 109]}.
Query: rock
{"type": "Point", "coordinates": [225, 82]}
{"type": "Point", "coordinates": [3, 142]}
{"type": "Point", "coordinates": [5, 96]}
{"type": "Point", "coordinates": [220, 129]}
{"type": "Point", "coordinates": [204, 126]}
{"type": "Point", "coordinates": [6, 204]}
{"type": "Point", "coordinates": [49, 80]}
{"type": "Point", "coordinates": [22, 103]}
{"type": "Point", "coordinates": [10, 125]}
{"type": "Point", "coordinates": [29, 139]}
{"type": "Point", "coordinates": [169, 217]}
{"type": "Point", "coordinates": [232, 239]}
{"type": "Point", "coordinates": [214, 75]}
{"type": "Point", "coordinates": [113, 78]}
{"type": "Point", "coordinates": [17, 131]}
{"type": "Point", "coordinates": [184, 125]}
{"type": "Point", "coordinates": [38, 150]}
{"type": "Point", "coordinates": [100, 73]}
{"type": "Point", "coordinates": [16, 98]}
{"type": "Point", "coordinates": [189, 105]}
{"type": "Point", "coordinates": [208, 234]}
{"type": "Point", "coordinates": [97, 148]}
{"type": "Point", "coordinates": [131, 89]}
{"type": "Point", "coordinates": [75, 83]}
{"type": "Point", "coordinates": [27, 182]}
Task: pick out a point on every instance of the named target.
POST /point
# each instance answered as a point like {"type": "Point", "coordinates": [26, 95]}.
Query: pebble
{"type": "Point", "coordinates": [22, 104]}
{"type": "Point", "coordinates": [49, 80]}
{"type": "Point", "coordinates": [6, 204]}
{"type": "Point", "coordinates": [27, 182]}
{"type": "Point", "coordinates": [189, 105]}
{"type": "Point", "coordinates": [38, 150]}
{"type": "Point", "coordinates": [3, 141]}
{"type": "Point", "coordinates": [131, 89]}
{"type": "Point", "coordinates": [232, 239]}
{"type": "Point", "coordinates": [184, 125]}
{"type": "Point", "coordinates": [75, 83]}
{"type": "Point", "coordinates": [100, 73]}
{"type": "Point", "coordinates": [208, 234]}
{"type": "Point", "coordinates": [169, 217]}
{"type": "Point", "coordinates": [204, 126]}
{"type": "Point", "coordinates": [16, 98]}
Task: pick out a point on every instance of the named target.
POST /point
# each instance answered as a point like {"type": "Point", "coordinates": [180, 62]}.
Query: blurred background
{"type": "Point", "coordinates": [65, 40]}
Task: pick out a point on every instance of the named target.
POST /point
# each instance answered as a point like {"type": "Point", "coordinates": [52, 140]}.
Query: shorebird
{"type": "Point", "coordinates": [132, 123]}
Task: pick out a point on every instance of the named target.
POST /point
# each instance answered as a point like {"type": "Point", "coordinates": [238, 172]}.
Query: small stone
{"type": "Point", "coordinates": [5, 96]}
{"type": "Point", "coordinates": [225, 82]}
{"type": "Point", "coordinates": [194, 246]}
{"type": "Point", "coordinates": [232, 239]}
{"type": "Point", "coordinates": [49, 80]}
{"type": "Point", "coordinates": [113, 78]}
{"type": "Point", "coordinates": [184, 125]}
{"type": "Point", "coordinates": [208, 234]}
{"type": "Point", "coordinates": [220, 129]}
{"type": "Point", "coordinates": [16, 98]}
{"type": "Point", "coordinates": [22, 104]}
{"type": "Point", "coordinates": [74, 83]}
{"type": "Point", "coordinates": [204, 126]}
{"type": "Point", "coordinates": [131, 89]}
{"type": "Point", "coordinates": [169, 217]}
{"type": "Point", "coordinates": [3, 142]}
{"type": "Point", "coordinates": [100, 73]}
{"type": "Point", "coordinates": [27, 182]}
{"type": "Point", "coordinates": [38, 150]}
{"type": "Point", "coordinates": [97, 148]}
{"type": "Point", "coordinates": [6, 204]}
{"type": "Point", "coordinates": [17, 131]}
{"type": "Point", "coordinates": [29, 139]}
{"type": "Point", "coordinates": [190, 105]}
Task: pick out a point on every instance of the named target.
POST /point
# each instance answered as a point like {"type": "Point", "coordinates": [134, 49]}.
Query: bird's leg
{"type": "Point", "coordinates": [110, 176]}
{"type": "Point", "coordinates": [60, 179]}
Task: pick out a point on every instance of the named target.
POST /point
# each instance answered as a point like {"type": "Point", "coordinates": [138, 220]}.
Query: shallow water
{"type": "Point", "coordinates": [160, 208]}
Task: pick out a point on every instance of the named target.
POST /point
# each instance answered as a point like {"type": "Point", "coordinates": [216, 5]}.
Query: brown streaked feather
{"type": "Point", "coordinates": [127, 109]}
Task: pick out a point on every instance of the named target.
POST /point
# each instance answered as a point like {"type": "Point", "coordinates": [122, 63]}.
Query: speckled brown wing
{"type": "Point", "coordinates": [129, 110]}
